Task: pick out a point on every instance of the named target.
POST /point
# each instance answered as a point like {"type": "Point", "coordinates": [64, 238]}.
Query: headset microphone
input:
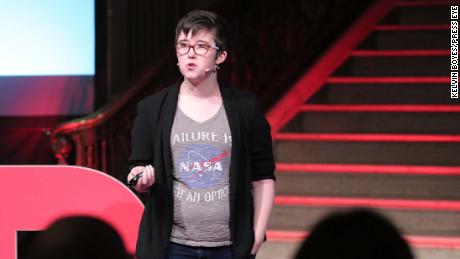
{"type": "Point", "coordinates": [212, 69]}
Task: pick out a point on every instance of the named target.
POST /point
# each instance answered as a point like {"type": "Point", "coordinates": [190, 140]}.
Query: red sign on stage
{"type": "Point", "coordinates": [32, 197]}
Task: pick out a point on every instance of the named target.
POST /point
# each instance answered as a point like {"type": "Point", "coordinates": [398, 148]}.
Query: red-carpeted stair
{"type": "Point", "coordinates": [380, 130]}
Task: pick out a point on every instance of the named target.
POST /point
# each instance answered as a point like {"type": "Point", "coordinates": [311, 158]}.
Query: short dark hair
{"type": "Point", "coordinates": [197, 20]}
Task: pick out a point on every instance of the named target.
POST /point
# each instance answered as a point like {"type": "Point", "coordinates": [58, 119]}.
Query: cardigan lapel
{"type": "Point", "coordinates": [167, 114]}
{"type": "Point", "coordinates": [231, 110]}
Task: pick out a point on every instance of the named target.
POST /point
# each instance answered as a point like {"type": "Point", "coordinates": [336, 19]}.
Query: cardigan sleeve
{"type": "Point", "coordinates": [261, 150]}
{"type": "Point", "coordinates": [141, 138]}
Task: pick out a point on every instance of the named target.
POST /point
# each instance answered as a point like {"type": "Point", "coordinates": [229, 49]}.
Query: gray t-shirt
{"type": "Point", "coordinates": [201, 156]}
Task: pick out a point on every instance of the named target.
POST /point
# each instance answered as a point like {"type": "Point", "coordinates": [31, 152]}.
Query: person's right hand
{"type": "Point", "coordinates": [146, 180]}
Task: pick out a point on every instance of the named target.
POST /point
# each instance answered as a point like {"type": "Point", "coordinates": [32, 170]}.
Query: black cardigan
{"type": "Point", "coordinates": [251, 160]}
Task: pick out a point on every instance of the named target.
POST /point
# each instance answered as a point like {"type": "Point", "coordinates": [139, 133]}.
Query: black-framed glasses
{"type": "Point", "coordinates": [200, 48]}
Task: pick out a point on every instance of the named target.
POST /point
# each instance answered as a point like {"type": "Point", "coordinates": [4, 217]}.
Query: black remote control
{"type": "Point", "coordinates": [134, 180]}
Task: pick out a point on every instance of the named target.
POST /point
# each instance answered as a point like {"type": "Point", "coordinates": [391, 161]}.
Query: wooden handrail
{"type": "Point", "coordinates": [111, 107]}
{"type": "Point", "coordinates": [87, 141]}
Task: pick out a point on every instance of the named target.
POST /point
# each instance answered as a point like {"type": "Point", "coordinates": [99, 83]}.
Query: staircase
{"type": "Point", "coordinates": [380, 131]}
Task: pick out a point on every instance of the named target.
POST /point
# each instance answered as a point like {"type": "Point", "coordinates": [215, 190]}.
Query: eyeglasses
{"type": "Point", "coordinates": [201, 49]}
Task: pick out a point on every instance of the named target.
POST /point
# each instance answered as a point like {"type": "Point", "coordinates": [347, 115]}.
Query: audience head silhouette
{"type": "Point", "coordinates": [78, 237]}
{"type": "Point", "coordinates": [355, 234]}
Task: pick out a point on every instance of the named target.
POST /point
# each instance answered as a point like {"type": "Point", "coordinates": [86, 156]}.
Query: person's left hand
{"type": "Point", "coordinates": [257, 244]}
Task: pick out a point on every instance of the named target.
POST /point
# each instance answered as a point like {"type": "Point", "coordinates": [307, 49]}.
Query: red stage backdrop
{"type": "Point", "coordinates": [32, 197]}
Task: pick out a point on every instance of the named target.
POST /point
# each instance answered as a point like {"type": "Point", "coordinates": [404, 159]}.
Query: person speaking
{"type": "Point", "coordinates": [203, 153]}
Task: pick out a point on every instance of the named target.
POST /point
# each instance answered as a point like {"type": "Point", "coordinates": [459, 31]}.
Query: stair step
{"type": "Point", "coordinates": [435, 242]}
{"type": "Point", "coordinates": [418, 14]}
{"type": "Point", "coordinates": [400, 53]}
{"type": "Point", "coordinates": [407, 39]}
{"type": "Point", "coordinates": [382, 108]}
{"type": "Point", "coordinates": [382, 119]}
{"type": "Point", "coordinates": [359, 185]}
{"type": "Point", "coordinates": [414, 27]}
{"type": "Point", "coordinates": [408, 153]}
{"type": "Point", "coordinates": [362, 92]}
{"type": "Point", "coordinates": [435, 253]}
{"type": "Point", "coordinates": [390, 80]}
{"type": "Point", "coordinates": [366, 137]}
{"type": "Point", "coordinates": [283, 249]}
{"type": "Point", "coordinates": [390, 65]}
{"type": "Point", "coordinates": [423, 2]}
{"type": "Point", "coordinates": [412, 222]}
{"type": "Point", "coordinates": [286, 235]}
{"type": "Point", "coordinates": [443, 242]}
{"type": "Point", "coordinates": [377, 203]}
{"type": "Point", "coordinates": [279, 249]}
